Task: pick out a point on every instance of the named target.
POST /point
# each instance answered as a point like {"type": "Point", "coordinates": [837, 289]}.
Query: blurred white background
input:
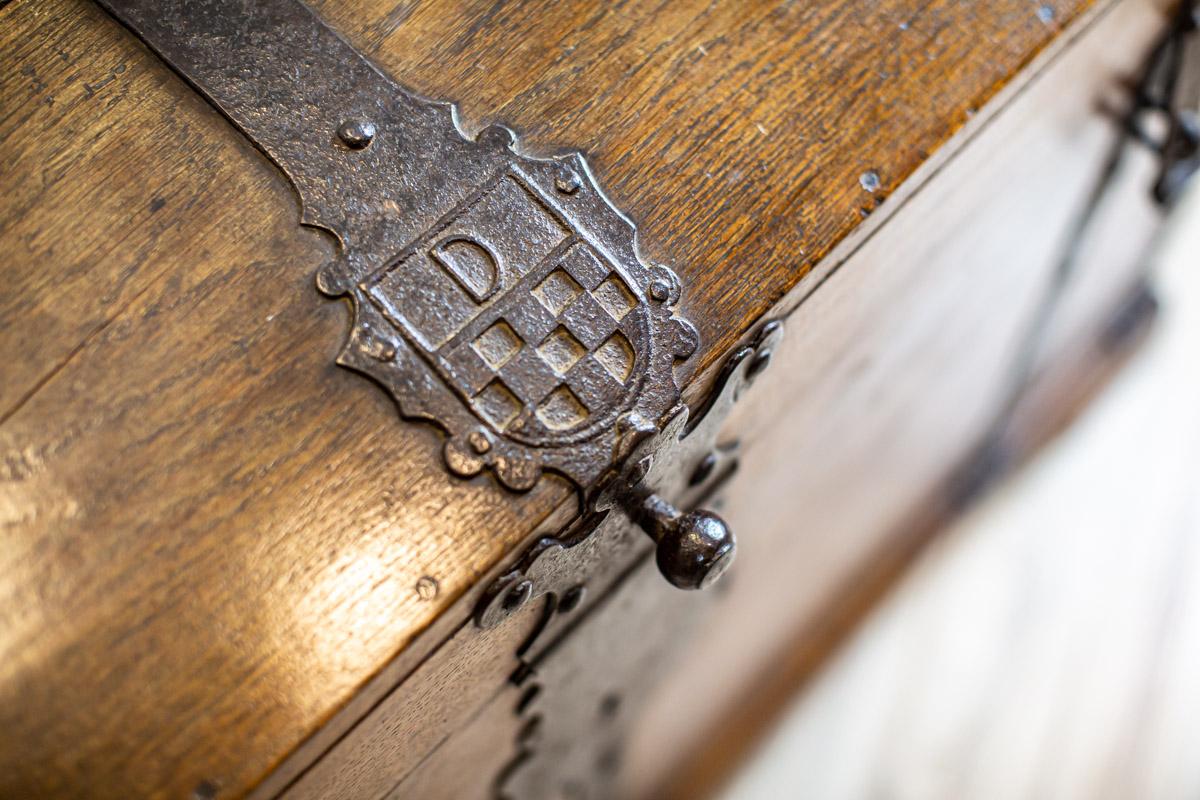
{"type": "Point", "coordinates": [1048, 646]}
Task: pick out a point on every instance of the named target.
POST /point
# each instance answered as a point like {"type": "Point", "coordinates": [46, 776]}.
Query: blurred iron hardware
{"type": "Point", "coordinates": [1167, 90]}
{"type": "Point", "coordinates": [1170, 88]}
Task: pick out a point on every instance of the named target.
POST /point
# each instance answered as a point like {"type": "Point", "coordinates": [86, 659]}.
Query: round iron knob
{"type": "Point", "coordinates": [694, 549]}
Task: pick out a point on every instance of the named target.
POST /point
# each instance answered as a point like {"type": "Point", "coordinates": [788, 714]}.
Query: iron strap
{"type": "Point", "coordinates": [496, 295]}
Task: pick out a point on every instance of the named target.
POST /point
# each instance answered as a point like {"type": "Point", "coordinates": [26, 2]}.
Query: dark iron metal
{"type": "Point", "coordinates": [1170, 87]}
{"type": "Point", "coordinates": [498, 296]}
{"type": "Point", "coordinates": [660, 474]}
{"type": "Point", "coordinates": [582, 692]}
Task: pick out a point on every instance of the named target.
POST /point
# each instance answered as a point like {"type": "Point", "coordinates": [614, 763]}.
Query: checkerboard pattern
{"type": "Point", "coordinates": [562, 352]}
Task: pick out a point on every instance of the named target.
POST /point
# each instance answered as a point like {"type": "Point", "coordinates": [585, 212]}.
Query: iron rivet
{"type": "Point", "coordinates": [205, 790]}
{"type": "Point", "coordinates": [567, 185]}
{"type": "Point", "coordinates": [379, 350]}
{"type": "Point", "coordinates": [610, 704]}
{"type": "Point", "coordinates": [479, 443]}
{"type": "Point", "coordinates": [660, 290]}
{"type": "Point", "coordinates": [427, 588]}
{"type": "Point", "coordinates": [497, 136]}
{"type": "Point", "coordinates": [704, 469]}
{"type": "Point", "coordinates": [760, 362]}
{"type": "Point", "coordinates": [518, 595]}
{"type": "Point", "coordinates": [356, 133]}
{"type": "Point", "coordinates": [571, 600]}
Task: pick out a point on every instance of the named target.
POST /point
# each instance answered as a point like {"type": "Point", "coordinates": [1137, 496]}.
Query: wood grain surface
{"type": "Point", "coordinates": [212, 536]}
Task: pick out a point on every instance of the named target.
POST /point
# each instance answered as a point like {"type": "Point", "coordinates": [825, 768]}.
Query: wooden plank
{"type": "Point", "coordinates": [1048, 646]}
{"type": "Point", "coordinates": [887, 380]}
{"type": "Point", "coordinates": [738, 135]}
{"type": "Point", "coordinates": [212, 536]}
{"type": "Point", "coordinates": [208, 544]}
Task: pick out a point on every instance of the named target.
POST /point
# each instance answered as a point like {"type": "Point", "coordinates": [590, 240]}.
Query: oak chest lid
{"type": "Point", "coordinates": [213, 535]}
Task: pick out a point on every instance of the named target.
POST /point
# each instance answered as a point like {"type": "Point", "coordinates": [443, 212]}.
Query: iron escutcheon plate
{"type": "Point", "coordinates": [497, 295]}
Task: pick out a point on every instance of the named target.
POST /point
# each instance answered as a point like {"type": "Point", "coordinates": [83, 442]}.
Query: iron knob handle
{"type": "Point", "coordinates": [694, 548]}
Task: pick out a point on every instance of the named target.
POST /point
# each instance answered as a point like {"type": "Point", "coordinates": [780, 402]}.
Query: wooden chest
{"type": "Point", "coordinates": [229, 567]}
